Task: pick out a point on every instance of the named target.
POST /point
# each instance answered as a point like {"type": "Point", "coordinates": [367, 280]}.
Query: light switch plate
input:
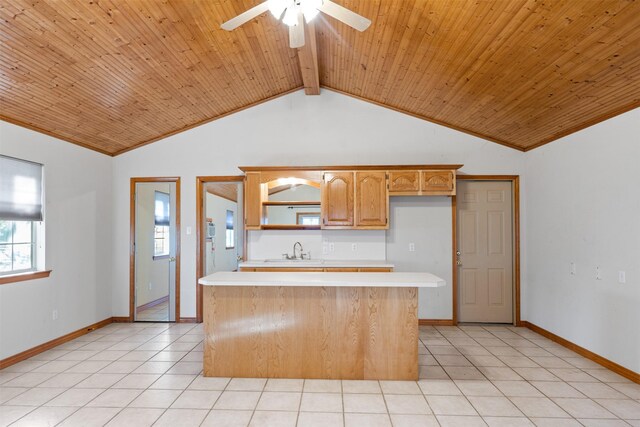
{"type": "Point", "coordinates": [598, 273]}
{"type": "Point", "coordinates": [622, 277]}
{"type": "Point", "coordinates": [573, 269]}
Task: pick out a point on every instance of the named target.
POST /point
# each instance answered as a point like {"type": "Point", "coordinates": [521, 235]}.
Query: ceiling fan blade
{"type": "Point", "coordinates": [343, 14]}
{"type": "Point", "coordinates": [296, 33]}
{"type": "Point", "coordinates": [234, 23]}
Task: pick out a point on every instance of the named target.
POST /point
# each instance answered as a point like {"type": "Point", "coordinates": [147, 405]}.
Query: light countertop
{"type": "Point", "coordinates": [305, 279]}
{"type": "Point", "coordinates": [325, 263]}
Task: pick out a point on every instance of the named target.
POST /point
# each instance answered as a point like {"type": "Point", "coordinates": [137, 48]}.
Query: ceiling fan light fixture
{"type": "Point", "coordinates": [310, 9]}
{"type": "Point", "coordinates": [291, 16]}
{"type": "Point", "coordinates": [277, 7]}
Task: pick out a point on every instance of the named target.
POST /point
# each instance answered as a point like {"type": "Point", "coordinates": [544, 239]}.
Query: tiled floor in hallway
{"type": "Point", "coordinates": [157, 313]}
{"type": "Point", "coordinates": [149, 374]}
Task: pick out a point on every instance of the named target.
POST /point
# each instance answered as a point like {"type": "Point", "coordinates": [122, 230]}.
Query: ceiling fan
{"type": "Point", "coordinates": [295, 12]}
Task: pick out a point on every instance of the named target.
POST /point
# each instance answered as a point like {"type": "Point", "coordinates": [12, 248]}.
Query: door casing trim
{"type": "Point", "coordinates": [200, 247]}
{"type": "Point", "coordinates": [132, 239]}
{"type": "Point", "coordinates": [515, 188]}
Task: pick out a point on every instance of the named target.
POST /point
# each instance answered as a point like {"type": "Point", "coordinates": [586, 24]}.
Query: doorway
{"type": "Point", "coordinates": [155, 250]}
{"type": "Point", "coordinates": [487, 250]}
{"type": "Point", "coordinates": [220, 228]}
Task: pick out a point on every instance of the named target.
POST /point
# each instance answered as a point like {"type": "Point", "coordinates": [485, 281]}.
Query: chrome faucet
{"type": "Point", "coordinates": [295, 254]}
{"type": "Point", "coordinates": [294, 250]}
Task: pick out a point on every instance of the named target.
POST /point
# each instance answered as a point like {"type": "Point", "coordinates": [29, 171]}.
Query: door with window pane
{"type": "Point", "coordinates": [155, 251]}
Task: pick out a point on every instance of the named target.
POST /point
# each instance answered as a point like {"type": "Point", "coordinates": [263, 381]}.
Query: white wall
{"type": "Point", "coordinates": [330, 129]}
{"type": "Point", "coordinates": [272, 244]}
{"type": "Point", "coordinates": [78, 225]}
{"type": "Point", "coordinates": [425, 222]}
{"type": "Point", "coordinates": [583, 206]}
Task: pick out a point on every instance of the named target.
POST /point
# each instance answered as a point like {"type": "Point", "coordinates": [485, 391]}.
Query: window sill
{"type": "Point", "coordinates": [21, 277]}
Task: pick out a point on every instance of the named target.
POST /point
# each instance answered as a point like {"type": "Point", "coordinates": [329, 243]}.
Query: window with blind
{"type": "Point", "coordinates": [161, 235]}
{"type": "Point", "coordinates": [230, 236]}
{"type": "Point", "coordinates": [21, 215]}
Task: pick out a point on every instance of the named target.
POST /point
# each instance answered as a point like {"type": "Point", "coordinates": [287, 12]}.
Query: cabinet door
{"type": "Point", "coordinates": [337, 199]}
{"type": "Point", "coordinates": [404, 182]}
{"type": "Point", "coordinates": [439, 182]}
{"type": "Point", "coordinates": [372, 199]}
{"type": "Point", "coordinates": [252, 201]}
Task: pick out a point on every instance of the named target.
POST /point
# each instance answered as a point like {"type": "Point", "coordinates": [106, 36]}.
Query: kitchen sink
{"type": "Point", "coordinates": [297, 261]}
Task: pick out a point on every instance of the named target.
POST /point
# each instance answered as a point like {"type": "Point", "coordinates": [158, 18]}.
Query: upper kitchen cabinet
{"type": "Point", "coordinates": [337, 199]}
{"type": "Point", "coordinates": [372, 200]}
{"type": "Point", "coordinates": [404, 182]}
{"type": "Point", "coordinates": [438, 182]}
{"type": "Point", "coordinates": [253, 201]}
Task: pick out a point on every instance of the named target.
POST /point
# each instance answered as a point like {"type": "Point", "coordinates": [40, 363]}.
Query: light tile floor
{"type": "Point", "coordinates": [157, 313]}
{"type": "Point", "coordinates": [146, 374]}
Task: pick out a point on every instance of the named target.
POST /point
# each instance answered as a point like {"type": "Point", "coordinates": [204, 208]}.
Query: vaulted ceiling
{"type": "Point", "coordinates": [112, 75]}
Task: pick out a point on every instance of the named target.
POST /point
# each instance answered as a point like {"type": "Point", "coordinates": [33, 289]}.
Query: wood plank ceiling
{"type": "Point", "coordinates": [112, 75]}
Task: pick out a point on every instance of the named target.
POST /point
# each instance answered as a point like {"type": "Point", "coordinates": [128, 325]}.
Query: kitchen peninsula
{"type": "Point", "coordinates": [328, 325]}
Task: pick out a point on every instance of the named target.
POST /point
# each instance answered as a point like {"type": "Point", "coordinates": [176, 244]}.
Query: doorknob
{"type": "Point", "coordinates": [172, 259]}
{"type": "Point", "coordinates": [458, 253]}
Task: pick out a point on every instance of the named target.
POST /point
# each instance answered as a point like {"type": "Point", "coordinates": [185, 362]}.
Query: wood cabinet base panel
{"type": "Point", "coordinates": [310, 332]}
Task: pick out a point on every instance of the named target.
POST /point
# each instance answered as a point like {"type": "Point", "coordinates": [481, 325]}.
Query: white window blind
{"type": "Point", "coordinates": [20, 190]}
{"type": "Point", "coordinates": [162, 215]}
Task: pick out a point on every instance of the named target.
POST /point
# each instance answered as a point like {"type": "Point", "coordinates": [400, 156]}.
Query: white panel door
{"type": "Point", "coordinates": [485, 251]}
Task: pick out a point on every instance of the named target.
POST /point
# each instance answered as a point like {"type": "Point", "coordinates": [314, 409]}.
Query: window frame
{"type": "Point", "coordinates": [38, 237]}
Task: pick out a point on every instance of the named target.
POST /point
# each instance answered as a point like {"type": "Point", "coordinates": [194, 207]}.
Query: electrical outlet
{"type": "Point", "coordinates": [54, 314]}
{"type": "Point", "coordinates": [188, 231]}
{"type": "Point", "coordinates": [412, 247]}
{"type": "Point", "coordinates": [354, 247]}
{"type": "Point", "coordinates": [332, 247]}
{"type": "Point", "coordinates": [622, 277]}
{"type": "Point", "coordinates": [598, 273]}
{"type": "Point", "coordinates": [574, 270]}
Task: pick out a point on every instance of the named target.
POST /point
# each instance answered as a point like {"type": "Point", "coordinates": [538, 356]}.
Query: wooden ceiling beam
{"type": "Point", "coordinates": [308, 58]}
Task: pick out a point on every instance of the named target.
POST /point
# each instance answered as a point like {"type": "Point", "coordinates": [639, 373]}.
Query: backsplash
{"type": "Point", "coordinates": [323, 244]}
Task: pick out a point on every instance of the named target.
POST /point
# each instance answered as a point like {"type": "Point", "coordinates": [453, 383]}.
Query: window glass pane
{"type": "Point", "coordinates": [5, 258]}
{"type": "Point", "coordinates": [5, 231]}
{"type": "Point", "coordinates": [229, 243]}
{"type": "Point", "coordinates": [22, 231]}
{"type": "Point", "coordinates": [161, 241]}
{"type": "Point", "coordinates": [22, 256]}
